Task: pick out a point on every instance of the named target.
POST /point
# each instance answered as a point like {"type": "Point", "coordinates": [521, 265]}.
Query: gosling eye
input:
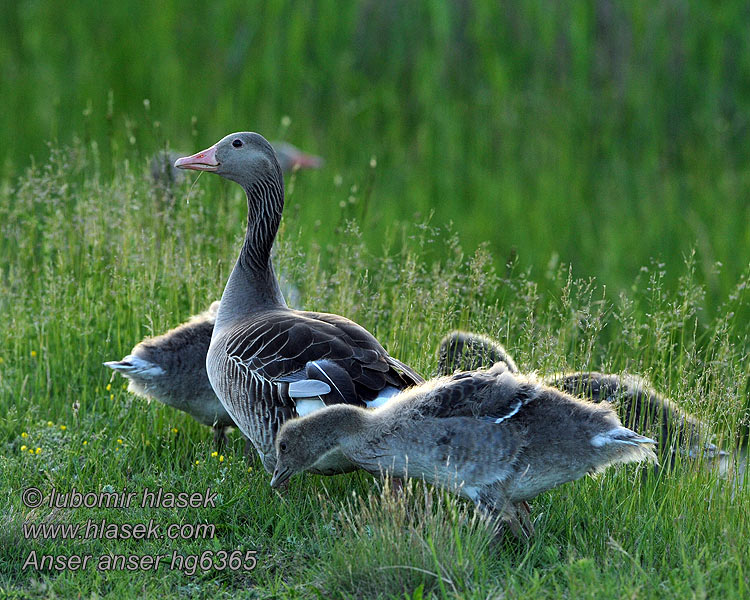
{"type": "Point", "coordinates": [283, 447]}
{"type": "Point", "coordinates": [237, 143]}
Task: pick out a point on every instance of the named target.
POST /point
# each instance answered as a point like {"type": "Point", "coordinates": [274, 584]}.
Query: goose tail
{"type": "Point", "coordinates": [629, 445]}
{"type": "Point", "coordinates": [133, 365]}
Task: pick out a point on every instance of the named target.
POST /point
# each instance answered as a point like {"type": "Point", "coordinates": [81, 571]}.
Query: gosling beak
{"type": "Point", "coordinates": [280, 477]}
{"type": "Point", "coordinates": [205, 160]}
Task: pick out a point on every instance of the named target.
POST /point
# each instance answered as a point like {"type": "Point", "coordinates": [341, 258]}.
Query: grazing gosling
{"type": "Point", "coordinates": [495, 437]}
{"type": "Point", "coordinates": [634, 399]}
{"type": "Point", "coordinates": [171, 368]}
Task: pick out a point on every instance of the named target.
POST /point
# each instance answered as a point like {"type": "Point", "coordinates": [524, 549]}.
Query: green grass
{"type": "Point", "coordinates": [570, 179]}
{"type": "Point", "coordinates": [92, 260]}
{"type": "Point", "coordinates": [599, 134]}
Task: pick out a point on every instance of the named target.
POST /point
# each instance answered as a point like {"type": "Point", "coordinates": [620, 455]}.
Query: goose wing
{"type": "Point", "coordinates": [293, 348]}
{"type": "Point", "coordinates": [493, 396]}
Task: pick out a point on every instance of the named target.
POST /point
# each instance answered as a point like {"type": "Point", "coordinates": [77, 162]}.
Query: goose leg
{"type": "Point", "coordinates": [504, 513]}
{"type": "Point", "coordinates": [524, 513]}
{"type": "Point", "coordinates": [397, 488]}
{"type": "Point", "coordinates": [517, 518]}
{"type": "Point", "coordinates": [249, 448]}
{"type": "Point", "coordinates": [220, 437]}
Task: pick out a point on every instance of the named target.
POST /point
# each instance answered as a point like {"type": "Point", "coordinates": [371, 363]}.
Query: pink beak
{"type": "Point", "coordinates": [205, 160]}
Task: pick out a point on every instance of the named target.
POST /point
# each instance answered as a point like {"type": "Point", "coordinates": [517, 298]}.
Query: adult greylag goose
{"type": "Point", "coordinates": [635, 400]}
{"type": "Point", "coordinates": [495, 437]}
{"type": "Point", "coordinates": [266, 362]}
{"type": "Point", "coordinates": [171, 367]}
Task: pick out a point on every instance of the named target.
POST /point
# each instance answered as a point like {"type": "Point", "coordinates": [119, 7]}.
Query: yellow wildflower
{"type": "Point", "coordinates": [24, 435]}
{"type": "Point", "coordinates": [214, 453]}
{"type": "Point", "coordinates": [85, 443]}
{"type": "Point", "coordinates": [119, 440]}
{"type": "Point", "coordinates": [33, 354]}
{"type": "Point", "coordinates": [38, 450]}
{"type": "Point", "coordinates": [50, 424]}
{"type": "Point", "coordinates": [31, 451]}
{"type": "Point", "coordinates": [23, 448]}
{"type": "Point", "coordinates": [111, 396]}
{"type": "Point", "coordinates": [109, 386]}
{"type": "Point", "coordinates": [249, 469]}
{"type": "Point", "coordinates": [221, 458]}
{"type": "Point", "coordinates": [197, 462]}
{"type": "Point", "coordinates": [174, 429]}
{"type": "Point", "coordinates": [63, 427]}
{"type": "Point", "coordinates": [124, 386]}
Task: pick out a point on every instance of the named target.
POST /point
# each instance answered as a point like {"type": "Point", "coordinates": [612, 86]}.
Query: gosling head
{"type": "Point", "coordinates": [243, 157]}
{"type": "Point", "coordinates": [464, 351]}
{"type": "Point", "coordinates": [302, 442]}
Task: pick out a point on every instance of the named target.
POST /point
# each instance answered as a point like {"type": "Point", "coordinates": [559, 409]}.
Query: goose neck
{"type": "Point", "coordinates": [253, 285]}
{"type": "Point", "coordinates": [265, 203]}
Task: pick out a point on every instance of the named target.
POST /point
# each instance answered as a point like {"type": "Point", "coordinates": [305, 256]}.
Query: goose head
{"type": "Point", "coordinates": [244, 157]}
{"type": "Point", "coordinates": [304, 441]}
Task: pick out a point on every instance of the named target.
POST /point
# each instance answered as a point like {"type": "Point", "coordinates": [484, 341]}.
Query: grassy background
{"type": "Point", "coordinates": [599, 134]}
{"type": "Point", "coordinates": [563, 178]}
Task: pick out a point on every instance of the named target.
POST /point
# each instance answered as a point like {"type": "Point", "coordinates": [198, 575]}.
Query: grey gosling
{"type": "Point", "coordinates": [266, 362]}
{"type": "Point", "coordinates": [494, 437]}
{"type": "Point", "coordinates": [636, 402]}
{"type": "Point", "coordinates": [171, 368]}
{"type": "Point", "coordinates": [465, 351]}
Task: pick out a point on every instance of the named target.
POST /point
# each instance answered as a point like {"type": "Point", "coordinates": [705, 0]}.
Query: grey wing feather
{"type": "Point", "coordinates": [485, 395]}
{"type": "Point", "coordinates": [281, 344]}
{"type": "Point", "coordinates": [308, 388]}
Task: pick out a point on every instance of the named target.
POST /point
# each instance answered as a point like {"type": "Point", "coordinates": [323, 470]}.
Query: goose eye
{"type": "Point", "coordinates": [282, 446]}
{"type": "Point", "coordinates": [237, 143]}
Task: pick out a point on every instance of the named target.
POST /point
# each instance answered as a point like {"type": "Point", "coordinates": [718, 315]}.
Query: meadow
{"type": "Point", "coordinates": [94, 263]}
{"type": "Point", "coordinates": [572, 182]}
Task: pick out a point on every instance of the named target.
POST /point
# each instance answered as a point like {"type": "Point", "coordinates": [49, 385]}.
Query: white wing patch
{"type": "Point", "coordinates": [319, 368]}
{"type": "Point", "coordinates": [305, 407]}
{"type": "Point", "coordinates": [516, 408]}
{"type": "Point", "coordinates": [383, 397]}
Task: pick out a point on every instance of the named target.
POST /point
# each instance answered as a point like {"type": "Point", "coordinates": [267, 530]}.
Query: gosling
{"type": "Point", "coordinates": [171, 368]}
{"type": "Point", "coordinates": [637, 403]}
{"type": "Point", "coordinates": [494, 437]}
